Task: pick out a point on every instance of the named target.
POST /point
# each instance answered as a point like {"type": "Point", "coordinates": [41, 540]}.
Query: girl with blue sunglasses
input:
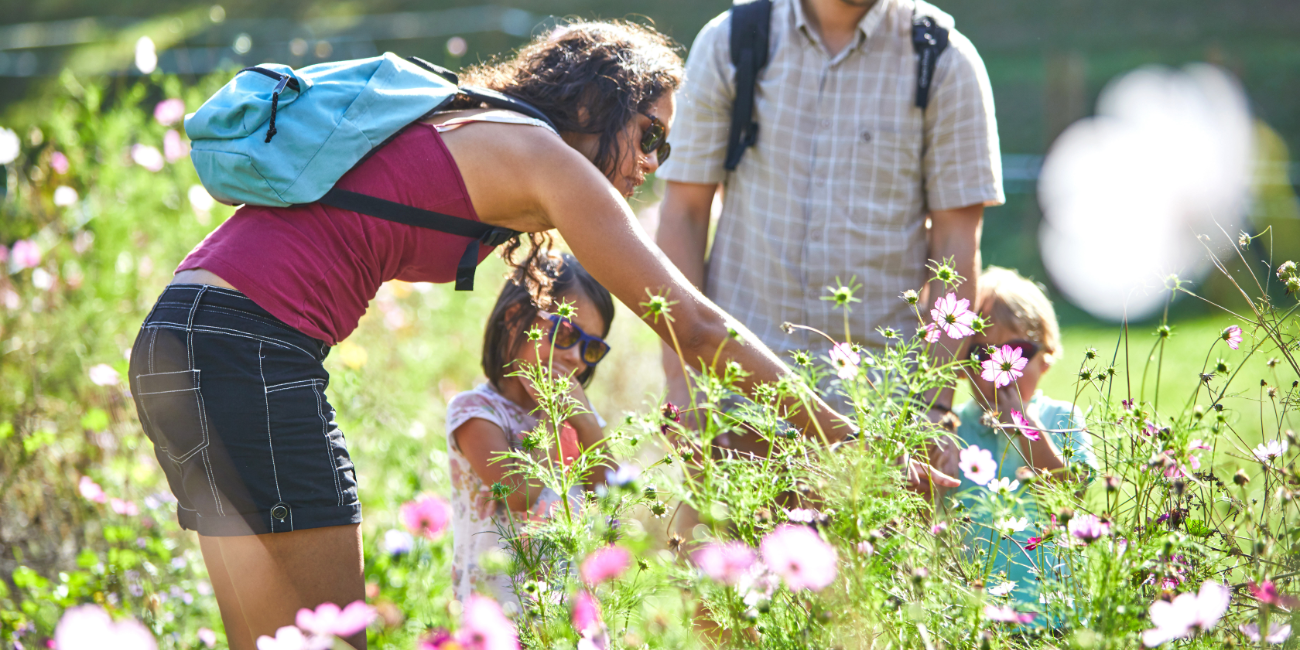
{"type": "Point", "coordinates": [495, 416]}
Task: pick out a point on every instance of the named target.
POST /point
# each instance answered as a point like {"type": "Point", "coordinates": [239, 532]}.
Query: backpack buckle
{"type": "Point", "coordinates": [497, 236]}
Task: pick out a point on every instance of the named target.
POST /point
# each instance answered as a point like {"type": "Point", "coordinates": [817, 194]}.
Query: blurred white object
{"type": "Point", "coordinates": [1126, 193]}
{"type": "Point", "coordinates": [146, 55]}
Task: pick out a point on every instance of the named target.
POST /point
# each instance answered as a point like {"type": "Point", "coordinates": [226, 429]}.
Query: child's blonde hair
{"type": "Point", "coordinates": [1013, 301]}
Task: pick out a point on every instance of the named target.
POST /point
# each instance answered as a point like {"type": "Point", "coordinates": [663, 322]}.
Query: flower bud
{"type": "Point", "coordinates": [1064, 515]}
{"type": "Point", "coordinates": [1113, 483]}
{"type": "Point", "coordinates": [1240, 478]}
{"type": "Point", "coordinates": [911, 297]}
{"type": "Point", "coordinates": [919, 574]}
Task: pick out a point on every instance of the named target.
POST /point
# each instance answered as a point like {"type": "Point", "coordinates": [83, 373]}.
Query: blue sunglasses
{"type": "Point", "coordinates": [564, 334]}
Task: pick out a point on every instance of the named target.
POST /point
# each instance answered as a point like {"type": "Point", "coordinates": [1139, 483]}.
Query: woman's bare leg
{"type": "Point", "coordinates": [273, 576]}
{"type": "Point", "coordinates": [232, 616]}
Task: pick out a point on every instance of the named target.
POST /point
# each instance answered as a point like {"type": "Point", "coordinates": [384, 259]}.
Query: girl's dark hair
{"type": "Point", "coordinates": [588, 78]}
{"type": "Point", "coordinates": [507, 326]}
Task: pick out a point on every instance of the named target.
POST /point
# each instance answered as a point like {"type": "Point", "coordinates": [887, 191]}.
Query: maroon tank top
{"type": "Point", "coordinates": [317, 267]}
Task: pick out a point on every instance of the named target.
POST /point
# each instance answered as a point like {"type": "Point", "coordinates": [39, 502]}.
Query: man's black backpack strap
{"type": "Point", "coordinates": [929, 40]}
{"type": "Point", "coordinates": [480, 234]}
{"type": "Point", "coordinates": [751, 24]}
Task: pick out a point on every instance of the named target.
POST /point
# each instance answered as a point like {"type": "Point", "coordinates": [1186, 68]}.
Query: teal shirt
{"type": "Point", "coordinates": [1052, 414]}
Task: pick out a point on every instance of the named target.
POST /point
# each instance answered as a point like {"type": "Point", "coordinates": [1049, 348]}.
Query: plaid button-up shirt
{"type": "Point", "coordinates": [844, 172]}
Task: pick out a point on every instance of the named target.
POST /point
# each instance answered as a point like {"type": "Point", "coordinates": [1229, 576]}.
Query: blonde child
{"type": "Point", "coordinates": [1022, 317]}
{"type": "Point", "coordinates": [495, 416]}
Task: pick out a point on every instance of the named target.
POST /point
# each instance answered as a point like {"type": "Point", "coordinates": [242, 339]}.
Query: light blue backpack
{"type": "Point", "coordinates": [277, 137]}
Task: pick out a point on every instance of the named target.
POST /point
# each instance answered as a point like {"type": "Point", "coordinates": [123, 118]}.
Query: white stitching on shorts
{"type": "Point", "coordinates": [210, 329]}
{"type": "Point", "coordinates": [292, 384]}
{"type": "Point", "coordinates": [152, 341]}
{"type": "Point", "coordinates": [270, 445]}
{"type": "Point", "coordinates": [207, 469]}
{"type": "Point", "coordinates": [329, 452]}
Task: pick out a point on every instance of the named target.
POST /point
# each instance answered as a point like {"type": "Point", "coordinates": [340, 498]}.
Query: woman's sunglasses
{"type": "Point", "coordinates": [655, 140]}
{"type": "Point", "coordinates": [564, 334]}
{"type": "Point", "coordinates": [983, 351]}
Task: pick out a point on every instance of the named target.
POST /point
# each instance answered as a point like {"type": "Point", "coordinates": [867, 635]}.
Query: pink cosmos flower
{"type": "Point", "coordinates": [148, 157]}
{"type": "Point", "coordinates": [169, 111]}
{"type": "Point", "coordinates": [1268, 594]}
{"type": "Point", "coordinates": [102, 374]}
{"type": "Point", "coordinates": [1276, 633]}
{"type": "Point", "coordinates": [938, 528]}
{"type": "Point", "coordinates": [1176, 469]}
{"type": "Point", "coordinates": [1033, 543]}
{"type": "Point", "coordinates": [427, 516]}
{"type": "Point", "coordinates": [865, 548]}
{"type": "Point", "coordinates": [59, 163]}
{"type": "Point", "coordinates": [1007, 614]}
{"type": "Point", "coordinates": [124, 507]}
{"type": "Point", "coordinates": [1188, 613]}
{"type": "Point", "coordinates": [605, 564]}
{"type": "Point", "coordinates": [953, 316]}
{"type": "Point", "coordinates": [800, 556]}
{"type": "Point", "coordinates": [1231, 334]}
{"type": "Point", "coordinates": [91, 490]}
{"type": "Point", "coordinates": [725, 563]}
{"type": "Point", "coordinates": [977, 464]}
{"type": "Point", "coordinates": [932, 333]}
{"type": "Point", "coordinates": [290, 637]}
{"type": "Point", "coordinates": [89, 627]}
{"type": "Point", "coordinates": [586, 612]}
{"type": "Point", "coordinates": [846, 360]}
{"type": "Point", "coordinates": [174, 147]}
{"type": "Point", "coordinates": [1267, 452]}
{"type": "Point", "coordinates": [484, 627]}
{"type": "Point", "coordinates": [25, 254]}
{"type": "Point", "coordinates": [208, 637]}
{"type": "Point", "coordinates": [329, 620]}
{"type": "Point", "coordinates": [1088, 528]}
{"type": "Point", "coordinates": [1025, 429]}
{"type": "Point", "coordinates": [1004, 365]}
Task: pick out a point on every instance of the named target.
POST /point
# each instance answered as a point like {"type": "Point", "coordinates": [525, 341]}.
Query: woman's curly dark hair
{"type": "Point", "coordinates": [588, 78]}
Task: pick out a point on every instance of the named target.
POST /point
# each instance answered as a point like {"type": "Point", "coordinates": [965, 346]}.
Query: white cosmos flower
{"type": "Point", "coordinates": [1011, 525]}
{"type": "Point", "coordinates": [1003, 485]}
{"type": "Point", "coordinates": [1270, 450]}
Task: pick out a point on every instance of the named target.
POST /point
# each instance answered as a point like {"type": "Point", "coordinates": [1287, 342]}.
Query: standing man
{"type": "Point", "coordinates": [849, 177]}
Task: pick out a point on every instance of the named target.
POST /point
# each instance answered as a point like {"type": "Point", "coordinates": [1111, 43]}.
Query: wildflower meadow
{"type": "Point", "coordinates": [1178, 531]}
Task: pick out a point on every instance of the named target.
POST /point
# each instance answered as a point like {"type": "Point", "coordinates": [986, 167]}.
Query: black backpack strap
{"type": "Point", "coordinates": [751, 25]}
{"type": "Point", "coordinates": [929, 40]}
{"type": "Point", "coordinates": [480, 234]}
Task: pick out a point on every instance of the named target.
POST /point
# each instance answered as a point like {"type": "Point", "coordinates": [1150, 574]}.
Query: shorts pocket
{"type": "Point", "coordinates": [173, 409]}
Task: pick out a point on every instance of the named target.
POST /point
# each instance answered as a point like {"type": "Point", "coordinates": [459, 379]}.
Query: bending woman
{"type": "Point", "coordinates": [227, 370]}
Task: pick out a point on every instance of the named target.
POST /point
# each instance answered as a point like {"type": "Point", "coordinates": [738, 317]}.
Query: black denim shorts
{"type": "Point", "coordinates": [234, 402]}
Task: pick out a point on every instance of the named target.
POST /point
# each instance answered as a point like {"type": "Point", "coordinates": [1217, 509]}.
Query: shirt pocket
{"type": "Point", "coordinates": [173, 411]}
{"type": "Point", "coordinates": [887, 186]}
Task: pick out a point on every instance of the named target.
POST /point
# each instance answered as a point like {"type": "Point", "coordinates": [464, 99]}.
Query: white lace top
{"type": "Point", "coordinates": [474, 513]}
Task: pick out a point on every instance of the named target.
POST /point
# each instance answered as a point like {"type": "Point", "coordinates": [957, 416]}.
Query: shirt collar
{"type": "Point", "coordinates": [866, 26]}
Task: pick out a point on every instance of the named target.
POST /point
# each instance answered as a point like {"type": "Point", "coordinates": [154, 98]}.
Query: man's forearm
{"type": "Point", "coordinates": [955, 236]}
{"type": "Point", "coordinates": [683, 237]}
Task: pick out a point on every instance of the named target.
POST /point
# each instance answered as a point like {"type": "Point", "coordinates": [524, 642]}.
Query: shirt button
{"type": "Point", "coordinates": [866, 136]}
